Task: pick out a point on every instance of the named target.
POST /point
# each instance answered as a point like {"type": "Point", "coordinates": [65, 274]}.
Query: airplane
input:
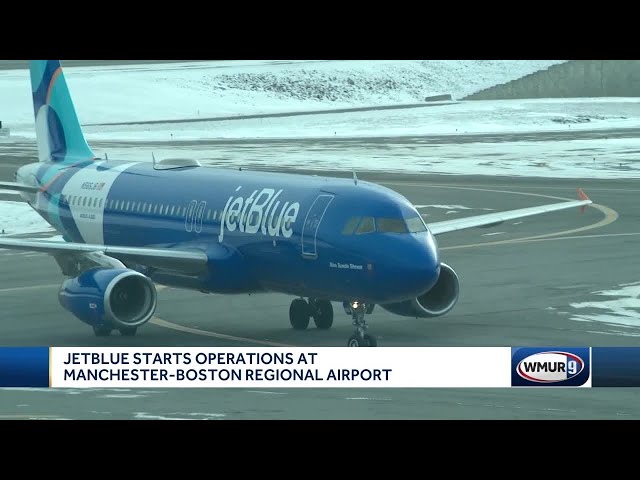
{"type": "Point", "coordinates": [128, 226]}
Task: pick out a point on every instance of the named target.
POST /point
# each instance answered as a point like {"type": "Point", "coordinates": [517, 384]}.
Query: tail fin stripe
{"type": "Point", "coordinates": [52, 83]}
{"type": "Point", "coordinates": [41, 74]}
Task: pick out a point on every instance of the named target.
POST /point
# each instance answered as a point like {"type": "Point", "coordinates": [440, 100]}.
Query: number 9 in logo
{"type": "Point", "coordinates": [572, 367]}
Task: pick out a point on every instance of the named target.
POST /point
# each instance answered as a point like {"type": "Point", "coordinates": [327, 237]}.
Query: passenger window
{"type": "Point", "coordinates": [101, 203]}
{"type": "Point", "coordinates": [416, 224]}
{"type": "Point", "coordinates": [367, 225]}
{"type": "Point", "coordinates": [391, 225]}
{"type": "Point", "coordinates": [350, 226]}
{"type": "Point", "coordinates": [173, 208]}
{"type": "Point", "coordinates": [155, 209]}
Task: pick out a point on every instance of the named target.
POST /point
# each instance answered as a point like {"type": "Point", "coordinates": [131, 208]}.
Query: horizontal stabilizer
{"type": "Point", "coordinates": [18, 187]}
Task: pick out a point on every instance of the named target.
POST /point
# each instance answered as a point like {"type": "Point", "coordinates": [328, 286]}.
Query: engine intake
{"type": "Point", "coordinates": [439, 300]}
{"type": "Point", "coordinates": [120, 298]}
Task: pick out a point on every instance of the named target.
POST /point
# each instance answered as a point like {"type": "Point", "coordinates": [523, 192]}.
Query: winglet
{"type": "Point", "coordinates": [583, 196]}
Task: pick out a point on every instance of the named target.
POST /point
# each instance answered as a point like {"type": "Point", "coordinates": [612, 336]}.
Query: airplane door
{"type": "Point", "coordinates": [312, 223]}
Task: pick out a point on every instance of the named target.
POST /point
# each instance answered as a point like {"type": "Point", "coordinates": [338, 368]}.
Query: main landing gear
{"type": "Point", "coordinates": [301, 311]}
{"type": "Point", "coordinates": [360, 337]}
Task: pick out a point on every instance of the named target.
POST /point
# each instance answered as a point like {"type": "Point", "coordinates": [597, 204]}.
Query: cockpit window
{"type": "Point", "coordinates": [391, 225]}
{"type": "Point", "coordinates": [416, 224]}
{"type": "Point", "coordinates": [362, 225]}
{"type": "Point", "coordinates": [367, 225]}
{"type": "Point", "coordinates": [351, 225]}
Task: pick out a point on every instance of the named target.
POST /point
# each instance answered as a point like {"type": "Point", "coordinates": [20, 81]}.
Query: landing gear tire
{"type": "Point", "coordinates": [358, 341]}
{"type": "Point", "coordinates": [299, 314]}
{"type": "Point", "coordinates": [323, 314]}
{"type": "Point", "coordinates": [102, 331]}
{"type": "Point", "coordinates": [129, 332]}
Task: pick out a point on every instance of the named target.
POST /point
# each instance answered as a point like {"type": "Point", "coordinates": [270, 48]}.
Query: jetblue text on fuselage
{"type": "Point", "coordinates": [259, 212]}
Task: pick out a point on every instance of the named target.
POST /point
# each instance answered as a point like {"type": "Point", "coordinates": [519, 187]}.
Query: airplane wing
{"type": "Point", "coordinates": [19, 187]}
{"type": "Point", "coordinates": [188, 261]}
{"type": "Point", "coordinates": [446, 226]}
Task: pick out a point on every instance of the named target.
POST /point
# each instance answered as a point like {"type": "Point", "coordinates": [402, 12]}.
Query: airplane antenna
{"type": "Point", "coordinates": [355, 178]}
{"type": "Point", "coordinates": [154, 160]}
{"type": "Point", "coordinates": [106, 157]}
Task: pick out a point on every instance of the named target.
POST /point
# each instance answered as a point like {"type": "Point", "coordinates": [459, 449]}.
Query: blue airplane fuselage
{"type": "Point", "coordinates": [262, 231]}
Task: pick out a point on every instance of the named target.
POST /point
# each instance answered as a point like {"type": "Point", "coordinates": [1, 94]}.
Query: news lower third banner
{"type": "Point", "coordinates": [322, 367]}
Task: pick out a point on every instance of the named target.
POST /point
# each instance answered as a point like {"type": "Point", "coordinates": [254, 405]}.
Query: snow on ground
{"type": "Point", "coordinates": [207, 89]}
{"type": "Point", "coordinates": [589, 158]}
{"type": "Point", "coordinates": [619, 308]}
{"type": "Point", "coordinates": [154, 92]}
{"type": "Point", "coordinates": [19, 217]}
{"type": "Point", "coordinates": [472, 117]}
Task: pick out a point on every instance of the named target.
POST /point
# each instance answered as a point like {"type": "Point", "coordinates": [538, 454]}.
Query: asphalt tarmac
{"type": "Point", "coordinates": [518, 281]}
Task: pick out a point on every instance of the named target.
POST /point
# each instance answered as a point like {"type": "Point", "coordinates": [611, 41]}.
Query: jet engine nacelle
{"type": "Point", "coordinates": [116, 297]}
{"type": "Point", "coordinates": [439, 300]}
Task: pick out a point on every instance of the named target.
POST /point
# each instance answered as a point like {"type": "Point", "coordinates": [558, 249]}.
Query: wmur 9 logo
{"type": "Point", "coordinates": [550, 367]}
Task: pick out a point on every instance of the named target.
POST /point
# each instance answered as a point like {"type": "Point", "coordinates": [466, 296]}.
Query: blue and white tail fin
{"type": "Point", "coordinates": [58, 131]}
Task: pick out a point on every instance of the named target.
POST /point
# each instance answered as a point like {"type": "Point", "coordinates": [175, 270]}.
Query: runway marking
{"type": "Point", "coordinates": [159, 322]}
{"type": "Point", "coordinates": [265, 392]}
{"type": "Point", "coordinates": [28, 417]}
{"type": "Point", "coordinates": [32, 287]}
{"type": "Point", "coordinates": [368, 398]}
{"type": "Point", "coordinates": [205, 333]}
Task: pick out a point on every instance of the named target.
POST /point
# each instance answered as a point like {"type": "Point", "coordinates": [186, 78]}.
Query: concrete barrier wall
{"type": "Point", "coordinates": [575, 78]}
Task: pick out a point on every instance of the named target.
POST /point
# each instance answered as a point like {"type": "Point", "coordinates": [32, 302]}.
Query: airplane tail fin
{"type": "Point", "coordinates": [58, 131]}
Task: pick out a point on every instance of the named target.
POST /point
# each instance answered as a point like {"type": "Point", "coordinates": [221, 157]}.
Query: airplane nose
{"type": "Point", "coordinates": [425, 268]}
{"type": "Point", "coordinates": [408, 269]}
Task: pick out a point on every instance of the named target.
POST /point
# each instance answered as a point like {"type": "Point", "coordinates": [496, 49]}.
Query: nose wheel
{"type": "Point", "coordinates": [360, 337]}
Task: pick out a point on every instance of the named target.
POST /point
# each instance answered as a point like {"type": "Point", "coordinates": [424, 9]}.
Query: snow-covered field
{"type": "Point", "coordinates": [618, 307]}
{"type": "Point", "coordinates": [19, 218]}
{"type": "Point", "coordinates": [209, 89]}
{"type": "Point", "coordinates": [472, 117]}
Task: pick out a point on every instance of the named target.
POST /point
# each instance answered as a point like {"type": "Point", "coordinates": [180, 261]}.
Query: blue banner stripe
{"type": "Point", "coordinates": [616, 367]}
{"type": "Point", "coordinates": [26, 367]}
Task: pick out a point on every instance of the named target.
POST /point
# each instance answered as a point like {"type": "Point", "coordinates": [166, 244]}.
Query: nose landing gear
{"type": "Point", "coordinates": [360, 337]}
